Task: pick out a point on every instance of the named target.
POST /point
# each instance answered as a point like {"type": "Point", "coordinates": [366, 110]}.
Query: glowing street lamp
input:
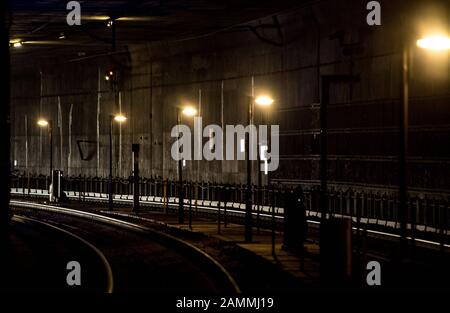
{"type": "Point", "coordinates": [42, 123]}
{"type": "Point", "coordinates": [118, 118]}
{"type": "Point", "coordinates": [48, 123]}
{"type": "Point", "coordinates": [16, 43]}
{"type": "Point", "coordinates": [434, 42]}
{"type": "Point", "coordinates": [262, 101]}
{"type": "Point", "coordinates": [190, 112]}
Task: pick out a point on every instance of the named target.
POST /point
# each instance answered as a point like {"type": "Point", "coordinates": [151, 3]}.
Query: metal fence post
{"type": "Point", "coordinates": [273, 223]}
{"type": "Point", "coordinates": [225, 211]}
{"type": "Point", "coordinates": [165, 196]}
{"type": "Point", "coordinates": [258, 207]}
{"type": "Point", "coordinates": [443, 221]}
{"type": "Point", "coordinates": [79, 188]}
{"type": "Point", "coordinates": [190, 205]}
{"type": "Point", "coordinates": [84, 193]}
{"type": "Point", "coordinates": [219, 198]}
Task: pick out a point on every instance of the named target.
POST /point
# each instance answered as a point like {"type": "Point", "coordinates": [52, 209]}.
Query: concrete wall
{"type": "Point", "coordinates": [331, 37]}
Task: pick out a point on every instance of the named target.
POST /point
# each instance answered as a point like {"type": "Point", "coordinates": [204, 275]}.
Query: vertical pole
{"type": "Point", "coordinates": [110, 197]}
{"type": "Point", "coordinates": [225, 214]}
{"type": "Point", "coordinates": [84, 191]}
{"type": "Point", "coordinates": [221, 115]}
{"type": "Point", "coordinates": [69, 155]}
{"type": "Point", "coordinates": [5, 127]}
{"type": "Point", "coordinates": [165, 196]}
{"type": "Point", "coordinates": [218, 210]}
{"type": "Point", "coordinates": [199, 139]}
{"type": "Point", "coordinates": [403, 191]}
{"type": "Point", "coordinates": [323, 147]}
{"type": "Point", "coordinates": [136, 191]}
{"type": "Point", "coordinates": [180, 178]}
{"type": "Point", "coordinates": [190, 206]}
{"type": "Point", "coordinates": [99, 97]}
{"type": "Point", "coordinates": [323, 203]}
{"type": "Point", "coordinates": [26, 154]}
{"type": "Point", "coordinates": [50, 131]}
{"type": "Point", "coordinates": [443, 218]}
{"type": "Point", "coordinates": [248, 194]}
{"type": "Point", "coordinates": [61, 134]}
{"type": "Point", "coordinates": [273, 221]}
{"type": "Point", "coordinates": [119, 159]}
{"type": "Point", "coordinates": [259, 179]}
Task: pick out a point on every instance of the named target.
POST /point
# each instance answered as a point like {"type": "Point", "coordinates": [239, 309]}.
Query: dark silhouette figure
{"type": "Point", "coordinates": [295, 224]}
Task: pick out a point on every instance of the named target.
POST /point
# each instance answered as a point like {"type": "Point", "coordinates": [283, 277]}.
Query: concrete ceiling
{"type": "Point", "coordinates": [39, 24]}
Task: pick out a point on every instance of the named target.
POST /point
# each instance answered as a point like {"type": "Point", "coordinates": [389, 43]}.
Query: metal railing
{"type": "Point", "coordinates": [425, 213]}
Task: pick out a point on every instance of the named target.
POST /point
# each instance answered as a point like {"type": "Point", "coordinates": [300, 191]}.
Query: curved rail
{"type": "Point", "coordinates": [220, 272]}
{"type": "Point", "coordinates": [109, 274]}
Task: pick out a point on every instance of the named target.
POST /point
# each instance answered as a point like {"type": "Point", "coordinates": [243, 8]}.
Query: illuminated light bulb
{"type": "Point", "coordinates": [264, 100]}
{"type": "Point", "coordinates": [436, 43]}
{"type": "Point", "coordinates": [120, 118]}
{"type": "Point", "coordinates": [42, 123]}
{"type": "Point", "coordinates": [189, 111]}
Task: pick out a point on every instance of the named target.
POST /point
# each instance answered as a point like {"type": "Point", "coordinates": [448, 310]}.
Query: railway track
{"type": "Point", "coordinates": [38, 254]}
{"type": "Point", "coordinates": [376, 245]}
{"type": "Point", "coordinates": [141, 258]}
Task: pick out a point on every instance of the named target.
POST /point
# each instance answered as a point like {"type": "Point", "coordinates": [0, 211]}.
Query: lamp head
{"type": "Point", "coordinates": [43, 122]}
{"type": "Point", "coordinates": [264, 101]}
{"type": "Point", "coordinates": [434, 43]}
{"type": "Point", "coordinates": [189, 111]}
{"type": "Point", "coordinates": [120, 118]}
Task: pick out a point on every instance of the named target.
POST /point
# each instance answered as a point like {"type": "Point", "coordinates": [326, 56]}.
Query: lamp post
{"type": "Point", "coordinates": [49, 124]}
{"type": "Point", "coordinates": [119, 118]}
{"type": "Point", "coordinates": [261, 101]}
{"type": "Point", "coordinates": [187, 111]}
{"type": "Point", "coordinates": [433, 43]}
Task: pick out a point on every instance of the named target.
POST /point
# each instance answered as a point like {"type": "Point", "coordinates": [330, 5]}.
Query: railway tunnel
{"type": "Point", "coordinates": [304, 139]}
